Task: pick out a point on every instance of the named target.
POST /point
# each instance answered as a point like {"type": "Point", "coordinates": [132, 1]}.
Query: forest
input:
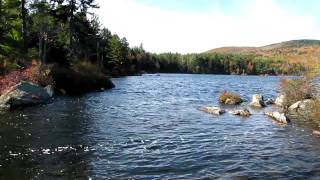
{"type": "Point", "coordinates": [222, 63]}
{"type": "Point", "coordinates": [62, 32]}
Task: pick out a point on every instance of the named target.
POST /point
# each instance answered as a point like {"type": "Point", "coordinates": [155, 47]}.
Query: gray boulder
{"type": "Point", "coordinates": [24, 94]}
{"type": "Point", "coordinates": [50, 90]}
{"type": "Point", "coordinates": [279, 117]}
{"type": "Point", "coordinates": [213, 110]}
{"type": "Point", "coordinates": [280, 100]}
{"type": "Point", "coordinates": [301, 105]}
{"type": "Point", "coordinates": [257, 101]}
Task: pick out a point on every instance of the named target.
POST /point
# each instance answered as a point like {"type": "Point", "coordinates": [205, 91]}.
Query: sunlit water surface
{"type": "Point", "coordinates": [149, 127]}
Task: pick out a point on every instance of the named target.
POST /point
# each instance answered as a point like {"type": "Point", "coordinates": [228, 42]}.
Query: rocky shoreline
{"type": "Point", "coordinates": [26, 93]}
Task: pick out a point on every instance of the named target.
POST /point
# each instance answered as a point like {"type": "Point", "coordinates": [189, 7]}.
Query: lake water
{"type": "Point", "coordinates": [149, 127]}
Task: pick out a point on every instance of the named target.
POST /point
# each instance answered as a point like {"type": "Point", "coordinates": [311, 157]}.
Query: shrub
{"type": "Point", "coordinates": [315, 110]}
{"type": "Point", "coordinates": [297, 89]}
{"type": "Point", "coordinates": [226, 97]}
{"type": "Point", "coordinates": [87, 68]}
{"type": "Point", "coordinates": [80, 79]}
{"type": "Point", "coordinates": [42, 75]}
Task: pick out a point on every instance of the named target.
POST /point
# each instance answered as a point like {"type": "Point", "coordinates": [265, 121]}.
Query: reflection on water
{"type": "Point", "coordinates": [150, 127]}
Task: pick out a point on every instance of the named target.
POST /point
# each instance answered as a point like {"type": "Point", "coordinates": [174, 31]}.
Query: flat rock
{"type": "Point", "coordinates": [213, 110]}
{"type": "Point", "coordinates": [279, 117]}
{"type": "Point", "coordinates": [243, 112]}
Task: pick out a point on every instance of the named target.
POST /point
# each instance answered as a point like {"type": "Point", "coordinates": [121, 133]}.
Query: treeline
{"type": "Point", "coordinates": [218, 63]}
{"type": "Point", "coordinates": [67, 33]}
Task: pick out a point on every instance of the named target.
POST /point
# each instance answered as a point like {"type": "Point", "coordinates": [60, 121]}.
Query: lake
{"type": "Point", "coordinates": [150, 127]}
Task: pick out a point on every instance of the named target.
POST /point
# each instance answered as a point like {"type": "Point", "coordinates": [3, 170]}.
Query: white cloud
{"type": "Point", "coordinates": [160, 30]}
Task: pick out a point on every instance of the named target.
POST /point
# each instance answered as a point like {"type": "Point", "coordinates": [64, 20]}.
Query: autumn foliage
{"type": "Point", "coordinates": [36, 73]}
{"type": "Point", "coordinates": [15, 77]}
{"type": "Point", "coordinates": [297, 89]}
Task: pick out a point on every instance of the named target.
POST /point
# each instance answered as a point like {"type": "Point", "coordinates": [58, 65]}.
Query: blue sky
{"type": "Point", "coordinates": [198, 25]}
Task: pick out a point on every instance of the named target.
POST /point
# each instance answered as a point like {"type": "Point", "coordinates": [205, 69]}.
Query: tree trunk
{"type": "Point", "coordinates": [1, 30]}
{"type": "Point", "coordinates": [98, 52]}
{"type": "Point", "coordinates": [0, 11]}
{"type": "Point", "coordinates": [41, 47]}
{"type": "Point", "coordinates": [71, 18]}
{"type": "Point", "coordinates": [44, 61]}
{"type": "Point", "coordinates": [101, 61]}
{"type": "Point", "coordinates": [24, 26]}
{"type": "Point", "coordinates": [71, 39]}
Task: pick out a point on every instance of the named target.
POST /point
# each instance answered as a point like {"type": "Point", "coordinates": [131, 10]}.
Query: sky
{"type": "Point", "coordinates": [193, 26]}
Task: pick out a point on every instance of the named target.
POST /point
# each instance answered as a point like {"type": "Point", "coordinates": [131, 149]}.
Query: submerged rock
{"type": "Point", "coordinates": [24, 94]}
{"type": "Point", "coordinates": [257, 101]}
{"type": "Point", "coordinates": [244, 112]}
{"type": "Point", "coordinates": [279, 117]}
{"type": "Point", "coordinates": [213, 110]}
{"type": "Point", "coordinates": [280, 100]}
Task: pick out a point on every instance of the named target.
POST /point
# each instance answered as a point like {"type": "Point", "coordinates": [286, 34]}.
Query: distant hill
{"type": "Point", "coordinates": [295, 51]}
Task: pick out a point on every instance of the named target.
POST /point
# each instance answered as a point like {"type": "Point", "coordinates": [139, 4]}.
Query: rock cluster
{"type": "Point", "coordinates": [259, 102]}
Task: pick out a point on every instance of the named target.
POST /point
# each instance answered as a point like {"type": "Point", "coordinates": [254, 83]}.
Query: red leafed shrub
{"type": "Point", "coordinates": [15, 77]}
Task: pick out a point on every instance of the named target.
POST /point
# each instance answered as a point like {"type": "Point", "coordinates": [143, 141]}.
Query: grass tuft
{"type": "Point", "coordinates": [227, 97]}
